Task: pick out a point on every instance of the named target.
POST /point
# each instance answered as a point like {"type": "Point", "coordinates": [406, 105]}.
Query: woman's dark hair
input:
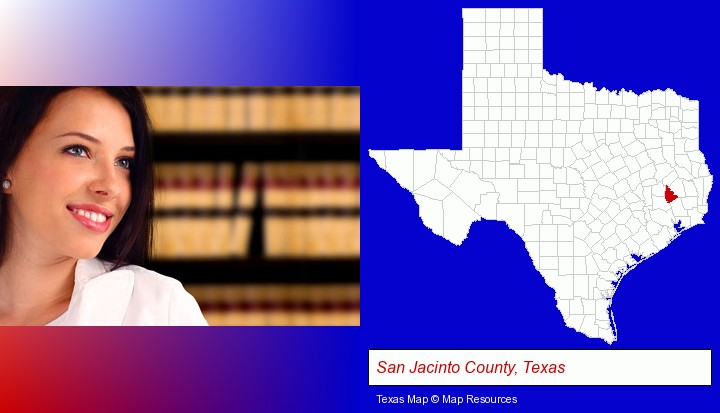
{"type": "Point", "coordinates": [22, 108]}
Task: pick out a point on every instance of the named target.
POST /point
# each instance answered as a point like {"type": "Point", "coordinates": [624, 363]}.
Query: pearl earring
{"type": "Point", "coordinates": [6, 184]}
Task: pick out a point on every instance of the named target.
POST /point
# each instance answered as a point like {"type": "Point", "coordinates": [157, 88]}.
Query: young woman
{"type": "Point", "coordinates": [76, 212]}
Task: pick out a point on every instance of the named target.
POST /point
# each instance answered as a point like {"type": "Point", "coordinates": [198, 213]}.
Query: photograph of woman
{"type": "Point", "coordinates": [76, 212]}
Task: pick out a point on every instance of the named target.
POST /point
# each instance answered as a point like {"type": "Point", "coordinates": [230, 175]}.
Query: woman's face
{"type": "Point", "coordinates": [71, 181]}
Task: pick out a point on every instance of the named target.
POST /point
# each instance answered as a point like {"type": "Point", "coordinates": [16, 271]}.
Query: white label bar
{"type": "Point", "coordinates": [540, 367]}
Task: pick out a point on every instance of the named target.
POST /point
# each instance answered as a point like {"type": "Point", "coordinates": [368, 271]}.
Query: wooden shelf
{"type": "Point", "coordinates": [260, 270]}
{"type": "Point", "coordinates": [260, 146]}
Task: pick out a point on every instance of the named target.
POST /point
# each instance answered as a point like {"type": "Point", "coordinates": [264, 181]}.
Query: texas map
{"type": "Point", "coordinates": [593, 181]}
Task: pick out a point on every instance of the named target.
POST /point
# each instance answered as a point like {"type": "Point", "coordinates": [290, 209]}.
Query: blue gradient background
{"type": "Point", "coordinates": [418, 291]}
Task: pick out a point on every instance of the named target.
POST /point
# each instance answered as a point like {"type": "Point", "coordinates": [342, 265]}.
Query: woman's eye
{"type": "Point", "coordinates": [77, 150]}
{"type": "Point", "coordinates": [124, 163]}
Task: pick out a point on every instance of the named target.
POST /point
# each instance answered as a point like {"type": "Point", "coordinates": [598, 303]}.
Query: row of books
{"type": "Point", "coordinates": [312, 237]}
{"type": "Point", "coordinates": [226, 185]}
{"type": "Point", "coordinates": [253, 109]}
{"type": "Point", "coordinates": [279, 305]}
{"type": "Point", "coordinates": [321, 236]}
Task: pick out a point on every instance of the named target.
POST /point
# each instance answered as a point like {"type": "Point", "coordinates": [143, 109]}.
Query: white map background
{"type": "Point", "coordinates": [578, 173]}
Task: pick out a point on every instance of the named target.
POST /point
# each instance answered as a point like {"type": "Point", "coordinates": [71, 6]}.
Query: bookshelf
{"type": "Point", "coordinates": [258, 190]}
{"type": "Point", "coordinates": [257, 146]}
{"type": "Point", "coordinates": [261, 271]}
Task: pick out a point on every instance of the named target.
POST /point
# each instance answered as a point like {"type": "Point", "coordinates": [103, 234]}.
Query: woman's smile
{"type": "Point", "coordinates": [92, 217]}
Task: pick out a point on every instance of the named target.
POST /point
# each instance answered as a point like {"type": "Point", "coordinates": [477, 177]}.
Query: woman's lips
{"type": "Point", "coordinates": [96, 226]}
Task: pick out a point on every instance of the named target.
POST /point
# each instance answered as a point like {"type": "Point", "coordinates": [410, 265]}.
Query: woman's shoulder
{"type": "Point", "coordinates": [96, 270]}
{"type": "Point", "coordinates": [166, 296]}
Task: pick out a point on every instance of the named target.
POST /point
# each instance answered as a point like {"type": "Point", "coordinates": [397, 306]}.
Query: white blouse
{"type": "Point", "coordinates": [128, 296]}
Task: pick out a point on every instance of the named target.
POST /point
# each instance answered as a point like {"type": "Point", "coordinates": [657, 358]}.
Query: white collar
{"type": "Point", "coordinates": [85, 270]}
{"type": "Point", "coordinates": [100, 296]}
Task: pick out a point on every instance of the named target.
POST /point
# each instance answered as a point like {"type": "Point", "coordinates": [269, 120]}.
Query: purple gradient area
{"type": "Point", "coordinates": [275, 42]}
{"type": "Point", "coordinates": [179, 369]}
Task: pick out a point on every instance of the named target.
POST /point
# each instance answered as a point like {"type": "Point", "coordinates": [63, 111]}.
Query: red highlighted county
{"type": "Point", "coordinates": [669, 195]}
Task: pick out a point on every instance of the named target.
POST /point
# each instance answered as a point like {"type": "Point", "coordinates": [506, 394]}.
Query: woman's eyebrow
{"type": "Point", "coordinates": [92, 139]}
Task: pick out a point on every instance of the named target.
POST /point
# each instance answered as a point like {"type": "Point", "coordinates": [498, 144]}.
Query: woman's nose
{"type": "Point", "coordinates": [107, 181]}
